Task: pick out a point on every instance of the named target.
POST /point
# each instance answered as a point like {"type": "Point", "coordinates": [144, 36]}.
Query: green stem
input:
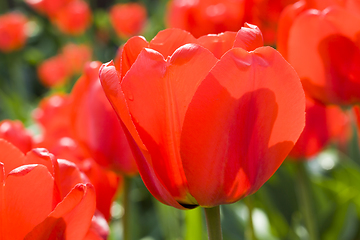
{"type": "Point", "coordinates": [194, 227]}
{"type": "Point", "coordinates": [304, 197]}
{"type": "Point", "coordinates": [213, 223]}
{"type": "Point", "coordinates": [126, 205]}
{"type": "Point", "coordinates": [250, 231]}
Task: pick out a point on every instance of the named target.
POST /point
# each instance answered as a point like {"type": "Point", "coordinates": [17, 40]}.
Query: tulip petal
{"type": "Point", "coordinates": [10, 156]}
{"type": "Point", "coordinates": [241, 123]}
{"type": "Point", "coordinates": [316, 132]}
{"type": "Point", "coordinates": [30, 195]}
{"type": "Point", "coordinates": [70, 175]}
{"type": "Point", "coordinates": [218, 44]}
{"type": "Point", "coordinates": [249, 38]}
{"type": "Point", "coordinates": [168, 40]}
{"type": "Point", "coordinates": [42, 156]}
{"type": "Point", "coordinates": [110, 82]}
{"type": "Point", "coordinates": [129, 53]}
{"type": "Point", "coordinates": [158, 94]}
{"type": "Point", "coordinates": [286, 20]}
{"type": "Point", "coordinates": [71, 218]}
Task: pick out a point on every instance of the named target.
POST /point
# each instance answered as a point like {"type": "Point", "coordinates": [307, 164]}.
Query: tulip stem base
{"type": "Point", "coordinates": [213, 223]}
{"type": "Point", "coordinates": [127, 207]}
{"type": "Point", "coordinates": [304, 198]}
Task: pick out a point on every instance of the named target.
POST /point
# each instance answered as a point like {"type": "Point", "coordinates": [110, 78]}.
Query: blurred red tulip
{"type": "Point", "coordinates": [53, 116]}
{"type": "Point", "coordinates": [128, 19]}
{"type": "Point", "coordinates": [201, 17]}
{"type": "Point", "coordinates": [14, 132]}
{"type": "Point", "coordinates": [96, 126]}
{"type": "Point", "coordinates": [320, 40]}
{"type": "Point", "coordinates": [57, 70]}
{"type": "Point", "coordinates": [54, 72]}
{"type": "Point", "coordinates": [74, 18]}
{"type": "Point", "coordinates": [323, 124]}
{"type": "Point", "coordinates": [206, 131]}
{"type": "Point", "coordinates": [12, 31]}
{"type": "Point", "coordinates": [76, 56]}
{"type": "Point", "coordinates": [34, 204]}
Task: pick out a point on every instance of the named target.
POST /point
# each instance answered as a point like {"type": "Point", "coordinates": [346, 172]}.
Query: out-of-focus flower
{"type": "Point", "coordinates": [206, 131]}
{"type": "Point", "coordinates": [36, 203]}
{"type": "Point", "coordinates": [57, 70]}
{"type": "Point", "coordinates": [54, 72]}
{"type": "Point", "coordinates": [320, 39]}
{"type": "Point", "coordinates": [12, 31]}
{"type": "Point", "coordinates": [96, 126]}
{"type": "Point", "coordinates": [323, 124]}
{"type": "Point", "coordinates": [74, 18]}
{"type": "Point", "coordinates": [14, 132]}
{"type": "Point", "coordinates": [76, 56]}
{"type": "Point", "coordinates": [201, 17]}
{"type": "Point", "coordinates": [128, 19]}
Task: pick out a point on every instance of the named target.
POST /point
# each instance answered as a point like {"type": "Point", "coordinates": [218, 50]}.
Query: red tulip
{"type": "Point", "coordinates": [128, 19]}
{"type": "Point", "coordinates": [96, 126]}
{"type": "Point", "coordinates": [323, 124]}
{"type": "Point", "coordinates": [53, 114]}
{"type": "Point", "coordinates": [34, 201]}
{"type": "Point", "coordinates": [206, 131]}
{"type": "Point", "coordinates": [14, 132]}
{"type": "Point", "coordinates": [76, 56]}
{"type": "Point", "coordinates": [320, 40]}
{"type": "Point", "coordinates": [54, 71]}
{"type": "Point", "coordinates": [12, 31]}
{"type": "Point", "coordinates": [74, 18]}
{"type": "Point", "coordinates": [206, 16]}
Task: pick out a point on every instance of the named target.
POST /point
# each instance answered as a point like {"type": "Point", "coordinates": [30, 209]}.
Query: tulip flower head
{"type": "Point", "coordinates": [74, 18]}
{"type": "Point", "coordinates": [320, 40]}
{"type": "Point", "coordinates": [128, 19]}
{"type": "Point", "coordinates": [37, 202]}
{"type": "Point", "coordinates": [12, 31]}
{"type": "Point", "coordinates": [210, 119]}
{"type": "Point", "coordinates": [54, 72]}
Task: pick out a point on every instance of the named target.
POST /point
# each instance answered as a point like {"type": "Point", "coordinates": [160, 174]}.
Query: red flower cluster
{"type": "Point", "coordinates": [128, 19]}
{"type": "Point", "coordinates": [219, 107]}
{"type": "Point", "coordinates": [12, 31]}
